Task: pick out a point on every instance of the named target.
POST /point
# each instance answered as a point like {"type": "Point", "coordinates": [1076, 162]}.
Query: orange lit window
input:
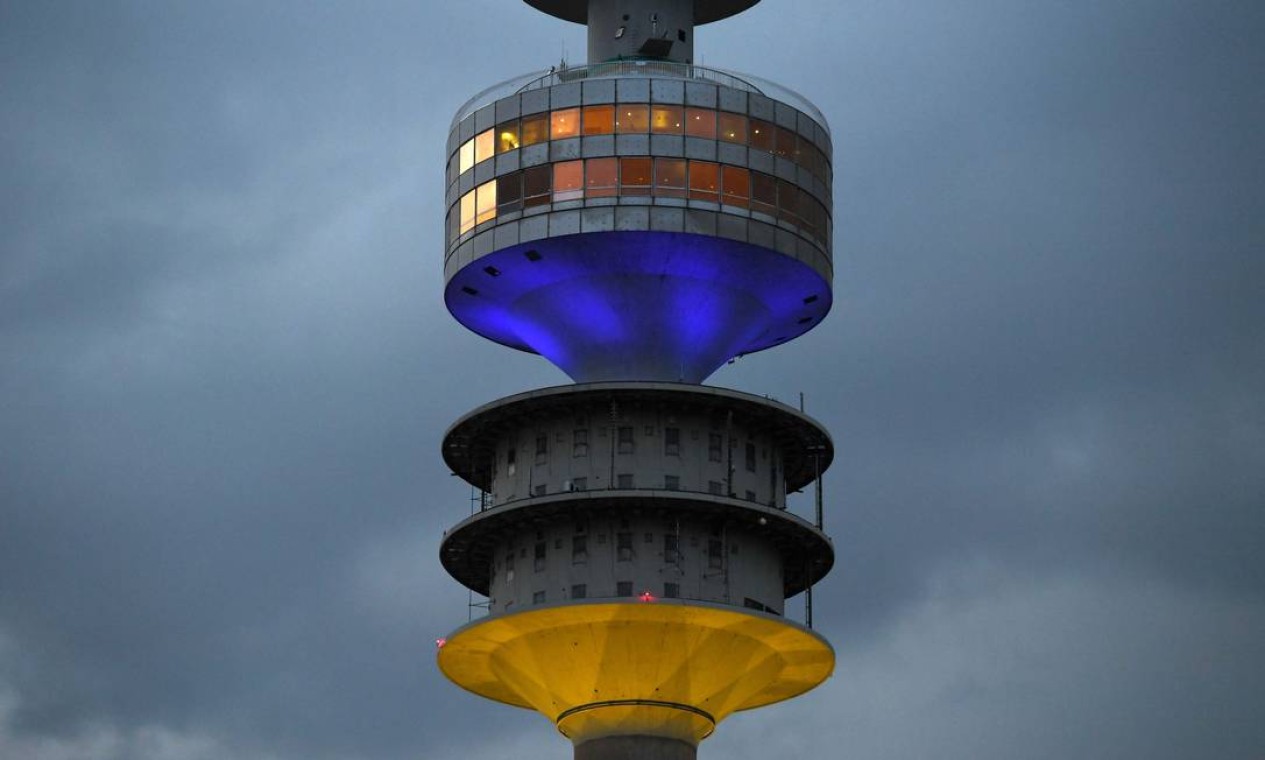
{"type": "Point", "coordinates": [761, 135]}
{"type": "Point", "coordinates": [700, 122]}
{"type": "Point", "coordinates": [786, 143]}
{"type": "Point", "coordinates": [599, 120]}
{"type": "Point", "coordinates": [737, 186]}
{"type": "Point", "coordinates": [704, 181]}
{"type": "Point", "coordinates": [733, 127]}
{"type": "Point", "coordinates": [509, 192]}
{"type": "Point", "coordinates": [467, 212]}
{"type": "Point", "coordinates": [763, 193]}
{"type": "Point", "coordinates": [669, 177]}
{"type": "Point", "coordinates": [564, 123]}
{"type": "Point", "coordinates": [535, 129]}
{"type": "Point", "coordinates": [568, 181]}
{"type": "Point", "coordinates": [507, 136]}
{"type": "Point", "coordinates": [666, 120]}
{"type": "Point", "coordinates": [632, 118]}
{"type": "Point", "coordinates": [484, 145]}
{"type": "Point", "coordinates": [485, 202]}
{"type": "Point", "coordinates": [634, 176]}
{"type": "Point", "coordinates": [465, 156]}
{"type": "Point", "coordinates": [536, 185]}
{"type": "Point", "coordinates": [601, 177]}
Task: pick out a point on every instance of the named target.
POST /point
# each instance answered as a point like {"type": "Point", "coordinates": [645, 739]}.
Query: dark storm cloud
{"type": "Point", "coordinates": [226, 369]}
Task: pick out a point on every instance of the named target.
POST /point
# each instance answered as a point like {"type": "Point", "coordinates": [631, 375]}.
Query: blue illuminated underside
{"type": "Point", "coordinates": [638, 305]}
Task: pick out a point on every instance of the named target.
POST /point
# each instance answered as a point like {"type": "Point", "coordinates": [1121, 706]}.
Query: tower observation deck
{"type": "Point", "coordinates": [638, 221]}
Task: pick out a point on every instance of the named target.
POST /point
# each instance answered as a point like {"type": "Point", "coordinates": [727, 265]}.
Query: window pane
{"type": "Point", "coordinates": [484, 145]}
{"type": "Point", "coordinates": [733, 127]}
{"type": "Point", "coordinates": [704, 180]}
{"type": "Point", "coordinates": [601, 177]}
{"type": "Point", "coordinates": [666, 120]}
{"type": "Point", "coordinates": [509, 192]}
{"type": "Point", "coordinates": [700, 122]}
{"type": "Point", "coordinates": [787, 202]}
{"type": "Point", "coordinates": [761, 135]}
{"type": "Point", "coordinates": [599, 120]}
{"type": "Point", "coordinates": [536, 184]}
{"type": "Point", "coordinates": [535, 129]}
{"type": "Point", "coordinates": [632, 119]}
{"type": "Point", "coordinates": [507, 136]}
{"type": "Point", "coordinates": [568, 181]}
{"type": "Point", "coordinates": [669, 177]}
{"type": "Point", "coordinates": [737, 186]}
{"type": "Point", "coordinates": [465, 155]}
{"type": "Point", "coordinates": [763, 193]}
{"type": "Point", "coordinates": [565, 123]}
{"type": "Point", "coordinates": [634, 176]}
{"type": "Point", "coordinates": [467, 212]}
{"type": "Point", "coordinates": [786, 143]}
{"type": "Point", "coordinates": [485, 203]}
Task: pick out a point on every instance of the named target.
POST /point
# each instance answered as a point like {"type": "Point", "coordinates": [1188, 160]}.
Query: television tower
{"type": "Point", "coordinates": [638, 221]}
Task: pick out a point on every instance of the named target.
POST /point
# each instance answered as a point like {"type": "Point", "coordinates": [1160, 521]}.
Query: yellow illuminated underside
{"type": "Point", "coordinates": [664, 668]}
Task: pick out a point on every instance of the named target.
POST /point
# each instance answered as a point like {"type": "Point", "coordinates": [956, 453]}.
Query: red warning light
{"type": "Point", "coordinates": [439, 643]}
{"type": "Point", "coordinates": [646, 596]}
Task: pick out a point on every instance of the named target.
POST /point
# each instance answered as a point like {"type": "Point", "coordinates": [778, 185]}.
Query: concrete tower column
{"type": "Point", "coordinates": [635, 748]}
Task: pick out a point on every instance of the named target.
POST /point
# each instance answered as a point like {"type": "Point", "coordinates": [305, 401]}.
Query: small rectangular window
{"type": "Point", "coordinates": [542, 446]}
{"type": "Point", "coordinates": [541, 555]}
{"type": "Point", "coordinates": [670, 553]}
{"type": "Point", "coordinates": [625, 440]}
{"type": "Point", "coordinates": [666, 120]}
{"type": "Point", "coordinates": [507, 136]}
{"type": "Point", "coordinates": [704, 181]}
{"type": "Point", "coordinates": [509, 192]}
{"type": "Point", "coordinates": [580, 484]}
{"type": "Point", "coordinates": [579, 549]}
{"type": "Point", "coordinates": [715, 553]}
{"type": "Point", "coordinates": [538, 597]}
{"type": "Point", "coordinates": [762, 136]}
{"type": "Point", "coordinates": [714, 442]}
{"type": "Point", "coordinates": [579, 591]}
{"type": "Point", "coordinates": [568, 181]}
{"type": "Point", "coordinates": [700, 122]}
{"type": "Point", "coordinates": [601, 177]}
{"type": "Point", "coordinates": [635, 175]}
{"type": "Point", "coordinates": [623, 588]}
{"type": "Point", "coordinates": [714, 487]}
{"type": "Point", "coordinates": [485, 202]}
{"type": "Point", "coordinates": [535, 129]}
{"type": "Point", "coordinates": [484, 145]}
{"type": "Point", "coordinates": [599, 120]}
{"type": "Point", "coordinates": [623, 547]}
{"type": "Point", "coordinates": [763, 193]}
{"type": "Point", "coordinates": [580, 443]}
{"type": "Point", "coordinates": [750, 495]}
{"type": "Point", "coordinates": [671, 590]}
{"type": "Point", "coordinates": [465, 156]}
{"type": "Point", "coordinates": [564, 123]}
{"type": "Point", "coordinates": [672, 482]}
{"type": "Point", "coordinates": [736, 186]}
{"type": "Point", "coordinates": [669, 177]}
{"type": "Point", "coordinates": [467, 212]}
{"type": "Point", "coordinates": [632, 118]}
{"type": "Point", "coordinates": [540, 490]}
{"type": "Point", "coordinates": [672, 441]}
{"type": "Point", "coordinates": [536, 185]}
{"type": "Point", "coordinates": [732, 127]}
{"type": "Point", "coordinates": [624, 480]}
{"type": "Point", "coordinates": [750, 456]}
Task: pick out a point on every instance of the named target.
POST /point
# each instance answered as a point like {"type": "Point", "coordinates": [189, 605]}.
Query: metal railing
{"type": "Point", "coordinates": [648, 69]}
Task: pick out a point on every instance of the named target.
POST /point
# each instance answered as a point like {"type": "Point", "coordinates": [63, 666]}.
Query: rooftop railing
{"type": "Point", "coordinates": [651, 69]}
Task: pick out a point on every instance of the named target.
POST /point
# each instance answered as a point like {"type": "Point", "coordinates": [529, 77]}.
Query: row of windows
{"type": "Point", "coordinates": [625, 589]}
{"type": "Point", "coordinates": [641, 118]}
{"type": "Point", "coordinates": [624, 481]}
{"type": "Point", "coordinates": [623, 549]}
{"type": "Point", "coordinates": [638, 176]}
{"type": "Point", "coordinates": [625, 444]}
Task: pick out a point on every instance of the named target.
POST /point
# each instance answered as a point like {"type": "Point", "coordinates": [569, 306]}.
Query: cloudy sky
{"type": "Point", "coordinates": [225, 368]}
